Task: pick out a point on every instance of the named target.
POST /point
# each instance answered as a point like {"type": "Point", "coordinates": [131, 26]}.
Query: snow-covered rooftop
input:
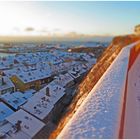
{"type": "Point", "coordinates": [30, 67]}
{"type": "Point", "coordinates": [43, 101]}
{"type": "Point", "coordinates": [76, 71]}
{"type": "Point", "coordinates": [5, 111]}
{"type": "Point", "coordinates": [30, 76]}
{"type": "Point", "coordinates": [30, 73]}
{"type": "Point", "coordinates": [55, 92]}
{"type": "Point", "coordinates": [15, 99]}
{"type": "Point", "coordinates": [29, 93]}
{"type": "Point", "coordinates": [7, 83]}
{"type": "Point", "coordinates": [63, 79]}
{"type": "Point", "coordinates": [30, 126]}
{"type": "Point", "coordinates": [99, 114]}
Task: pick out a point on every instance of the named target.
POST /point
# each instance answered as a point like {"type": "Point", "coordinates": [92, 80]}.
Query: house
{"type": "Point", "coordinates": [6, 62]}
{"type": "Point", "coordinates": [26, 83]}
{"type": "Point", "coordinates": [42, 103]}
{"type": "Point", "coordinates": [5, 111]}
{"type": "Point", "coordinates": [64, 80]}
{"type": "Point", "coordinates": [16, 99]}
{"type": "Point", "coordinates": [6, 85]}
{"type": "Point", "coordinates": [20, 125]}
{"type": "Point", "coordinates": [31, 79]}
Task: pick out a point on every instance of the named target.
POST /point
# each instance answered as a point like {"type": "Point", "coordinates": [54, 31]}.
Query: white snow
{"type": "Point", "coordinates": [8, 132]}
{"type": "Point", "coordinates": [15, 99]}
{"type": "Point", "coordinates": [64, 80]}
{"type": "Point", "coordinates": [76, 71]}
{"type": "Point", "coordinates": [5, 111]}
{"type": "Point", "coordinates": [99, 114]}
{"type": "Point", "coordinates": [7, 84]}
{"type": "Point", "coordinates": [41, 104]}
{"type": "Point", "coordinates": [30, 126]}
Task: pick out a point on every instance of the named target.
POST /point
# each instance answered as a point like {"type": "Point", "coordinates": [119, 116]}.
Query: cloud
{"type": "Point", "coordinates": [16, 29]}
{"type": "Point", "coordinates": [58, 34]}
{"type": "Point", "coordinates": [29, 29]}
{"type": "Point", "coordinates": [87, 37]}
{"type": "Point", "coordinates": [43, 30]}
{"type": "Point", "coordinates": [57, 30]}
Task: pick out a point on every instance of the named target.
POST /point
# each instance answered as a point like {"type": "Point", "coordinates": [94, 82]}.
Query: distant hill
{"type": "Point", "coordinates": [11, 39]}
{"type": "Point", "coordinates": [97, 51]}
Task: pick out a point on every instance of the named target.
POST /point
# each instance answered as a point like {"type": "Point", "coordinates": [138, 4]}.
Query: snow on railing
{"type": "Point", "coordinates": [99, 116]}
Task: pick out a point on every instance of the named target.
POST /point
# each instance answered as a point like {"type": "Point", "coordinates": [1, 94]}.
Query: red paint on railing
{"type": "Point", "coordinates": [134, 52]}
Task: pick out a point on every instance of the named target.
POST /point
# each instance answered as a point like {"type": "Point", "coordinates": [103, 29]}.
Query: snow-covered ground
{"type": "Point", "coordinates": [100, 114]}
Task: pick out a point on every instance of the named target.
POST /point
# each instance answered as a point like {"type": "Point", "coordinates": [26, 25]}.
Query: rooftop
{"type": "Point", "coordinates": [43, 101]}
{"type": "Point", "coordinates": [16, 99]}
{"type": "Point", "coordinates": [29, 126]}
{"type": "Point", "coordinates": [63, 79]}
{"type": "Point", "coordinates": [5, 111]}
{"type": "Point", "coordinates": [29, 73]}
{"type": "Point", "coordinates": [5, 83]}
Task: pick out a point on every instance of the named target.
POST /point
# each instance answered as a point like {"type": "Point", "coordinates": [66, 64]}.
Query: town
{"type": "Point", "coordinates": [36, 85]}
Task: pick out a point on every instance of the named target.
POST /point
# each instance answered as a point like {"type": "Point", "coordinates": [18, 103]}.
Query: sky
{"type": "Point", "coordinates": [68, 18]}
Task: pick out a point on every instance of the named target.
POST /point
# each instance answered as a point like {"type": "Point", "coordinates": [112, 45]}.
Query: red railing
{"type": "Point", "coordinates": [134, 52]}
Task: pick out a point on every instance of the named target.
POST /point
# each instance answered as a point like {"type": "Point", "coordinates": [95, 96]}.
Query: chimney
{"type": "Point", "coordinates": [47, 91]}
{"type": "Point", "coordinates": [2, 81]}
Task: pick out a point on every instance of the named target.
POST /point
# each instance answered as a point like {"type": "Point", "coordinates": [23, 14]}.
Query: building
{"type": "Point", "coordinates": [78, 71]}
{"type": "Point", "coordinates": [42, 103]}
{"type": "Point", "coordinates": [24, 85]}
{"type": "Point", "coordinates": [20, 125]}
{"type": "Point", "coordinates": [137, 29]}
{"type": "Point", "coordinates": [6, 85]}
{"type": "Point", "coordinates": [64, 80]}
{"type": "Point", "coordinates": [5, 111]}
{"type": "Point", "coordinates": [16, 99]}
{"type": "Point", "coordinates": [31, 79]}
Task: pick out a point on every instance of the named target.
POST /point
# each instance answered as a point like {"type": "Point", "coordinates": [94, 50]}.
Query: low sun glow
{"type": "Point", "coordinates": [16, 19]}
{"type": "Point", "coordinates": [60, 18]}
